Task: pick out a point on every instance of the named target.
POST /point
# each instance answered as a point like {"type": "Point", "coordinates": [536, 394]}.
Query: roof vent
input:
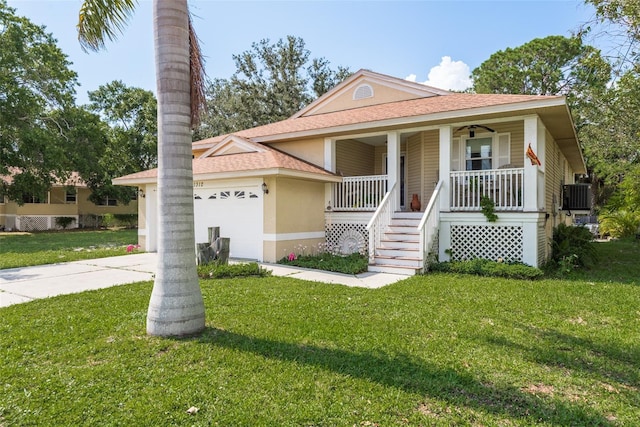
{"type": "Point", "coordinates": [363, 91]}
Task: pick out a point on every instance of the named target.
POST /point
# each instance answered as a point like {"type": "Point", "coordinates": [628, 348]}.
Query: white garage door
{"type": "Point", "coordinates": [237, 210]}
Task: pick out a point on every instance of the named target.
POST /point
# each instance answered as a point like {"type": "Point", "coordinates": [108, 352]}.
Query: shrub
{"type": "Point", "coordinates": [219, 271]}
{"type": "Point", "coordinates": [64, 221]}
{"type": "Point", "coordinates": [572, 244]}
{"type": "Point", "coordinates": [128, 220]}
{"type": "Point", "coordinates": [485, 267]}
{"type": "Point", "coordinates": [620, 223]}
{"type": "Point", "coordinates": [108, 220]}
{"type": "Point", "coordinates": [347, 264]}
{"type": "Point", "coordinates": [488, 209]}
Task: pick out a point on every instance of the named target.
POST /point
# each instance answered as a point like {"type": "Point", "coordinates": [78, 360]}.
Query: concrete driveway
{"type": "Point", "coordinates": [25, 284]}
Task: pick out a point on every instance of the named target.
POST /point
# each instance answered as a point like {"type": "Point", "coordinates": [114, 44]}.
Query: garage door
{"type": "Point", "coordinates": [237, 210]}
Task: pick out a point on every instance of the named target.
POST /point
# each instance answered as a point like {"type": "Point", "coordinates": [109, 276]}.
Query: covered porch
{"type": "Point", "coordinates": [453, 171]}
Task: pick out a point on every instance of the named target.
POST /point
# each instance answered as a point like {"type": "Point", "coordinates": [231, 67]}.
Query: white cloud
{"type": "Point", "coordinates": [449, 75]}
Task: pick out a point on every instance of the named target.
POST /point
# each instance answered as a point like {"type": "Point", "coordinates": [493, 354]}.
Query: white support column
{"type": "Point", "coordinates": [534, 135]}
{"type": "Point", "coordinates": [446, 136]}
{"type": "Point", "coordinates": [529, 248]}
{"type": "Point", "coordinates": [330, 165]}
{"type": "Point", "coordinates": [330, 154]}
{"type": "Point", "coordinates": [444, 241]}
{"type": "Point", "coordinates": [393, 165]}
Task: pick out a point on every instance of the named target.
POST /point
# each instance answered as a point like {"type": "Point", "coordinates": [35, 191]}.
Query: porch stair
{"type": "Point", "coordinates": [399, 250]}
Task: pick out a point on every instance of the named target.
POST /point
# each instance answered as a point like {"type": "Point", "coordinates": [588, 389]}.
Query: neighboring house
{"type": "Point", "coordinates": [343, 172]}
{"type": "Point", "coordinates": [62, 200]}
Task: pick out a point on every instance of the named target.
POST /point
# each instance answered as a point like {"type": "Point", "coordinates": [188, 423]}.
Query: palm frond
{"type": "Point", "coordinates": [198, 77]}
{"type": "Point", "coordinates": [102, 20]}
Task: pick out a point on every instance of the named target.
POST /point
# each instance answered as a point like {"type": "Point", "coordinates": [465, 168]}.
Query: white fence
{"type": "Point", "coordinates": [359, 193]}
{"type": "Point", "coordinates": [503, 186]}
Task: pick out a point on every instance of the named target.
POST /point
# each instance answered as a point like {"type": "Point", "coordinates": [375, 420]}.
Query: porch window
{"type": "Point", "coordinates": [71, 196]}
{"type": "Point", "coordinates": [31, 198]}
{"type": "Point", "coordinates": [108, 201]}
{"type": "Point", "coordinates": [478, 154]}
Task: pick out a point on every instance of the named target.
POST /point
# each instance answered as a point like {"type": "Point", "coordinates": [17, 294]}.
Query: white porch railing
{"type": "Point", "coordinates": [503, 186]}
{"type": "Point", "coordinates": [359, 193]}
{"type": "Point", "coordinates": [379, 222]}
{"type": "Point", "coordinates": [429, 224]}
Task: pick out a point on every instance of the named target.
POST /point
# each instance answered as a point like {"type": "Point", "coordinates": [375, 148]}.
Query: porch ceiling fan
{"type": "Point", "coordinates": [472, 129]}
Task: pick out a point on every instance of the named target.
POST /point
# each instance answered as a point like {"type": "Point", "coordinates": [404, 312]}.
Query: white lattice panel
{"type": "Point", "coordinates": [487, 242]}
{"type": "Point", "coordinates": [345, 238]}
{"type": "Point", "coordinates": [32, 223]}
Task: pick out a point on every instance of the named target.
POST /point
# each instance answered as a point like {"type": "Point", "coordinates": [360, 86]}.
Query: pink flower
{"type": "Point", "coordinates": [131, 248]}
{"type": "Point", "coordinates": [292, 256]}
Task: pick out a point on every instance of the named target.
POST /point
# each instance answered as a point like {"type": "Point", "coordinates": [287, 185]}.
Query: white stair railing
{"type": "Point", "coordinates": [429, 224]}
{"type": "Point", "coordinates": [380, 221]}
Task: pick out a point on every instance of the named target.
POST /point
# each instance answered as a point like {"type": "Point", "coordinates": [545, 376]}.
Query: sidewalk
{"type": "Point", "coordinates": [18, 285]}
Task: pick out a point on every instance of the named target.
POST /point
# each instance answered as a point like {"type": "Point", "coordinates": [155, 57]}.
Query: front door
{"type": "Point", "coordinates": [403, 187]}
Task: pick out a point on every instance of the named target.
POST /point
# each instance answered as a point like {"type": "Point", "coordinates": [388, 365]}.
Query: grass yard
{"type": "Point", "coordinates": [25, 249]}
{"type": "Point", "coordinates": [434, 350]}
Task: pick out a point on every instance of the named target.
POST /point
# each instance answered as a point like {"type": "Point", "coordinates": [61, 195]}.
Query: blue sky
{"type": "Point", "coordinates": [400, 38]}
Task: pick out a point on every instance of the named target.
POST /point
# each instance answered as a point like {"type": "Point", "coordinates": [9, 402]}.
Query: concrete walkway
{"type": "Point", "coordinates": [25, 284]}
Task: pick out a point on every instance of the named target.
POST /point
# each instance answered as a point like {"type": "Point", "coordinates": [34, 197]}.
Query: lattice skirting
{"type": "Point", "coordinates": [32, 223]}
{"type": "Point", "coordinates": [486, 241]}
{"type": "Point", "coordinates": [347, 237]}
{"type": "Point", "coordinates": [39, 222]}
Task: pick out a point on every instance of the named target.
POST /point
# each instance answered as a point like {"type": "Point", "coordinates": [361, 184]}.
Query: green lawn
{"type": "Point", "coordinates": [19, 250]}
{"type": "Point", "coordinates": [434, 350]}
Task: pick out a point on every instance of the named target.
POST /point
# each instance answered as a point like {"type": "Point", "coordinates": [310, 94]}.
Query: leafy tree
{"type": "Point", "coordinates": [553, 65]}
{"type": "Point", "coordinates": [614, 131]}
{"type": "Point", "coordinates": [271, 83]}
{"type": "Point", "coordinates": [619, 22]}
{"type": "Point", "coordinates": [35, 80]}
{"type": "Point", "coordinates": [176, 306]}
{"type": "Point", "coordinates": [131, 114]}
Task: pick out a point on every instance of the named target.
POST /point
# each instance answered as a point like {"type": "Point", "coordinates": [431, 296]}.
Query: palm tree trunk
{"type": "Point", "coordinates": [176, 306]}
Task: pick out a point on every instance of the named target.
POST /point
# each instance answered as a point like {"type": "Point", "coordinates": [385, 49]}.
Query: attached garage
{"type": "Point", "coordinates": [228, 193]}
{"type": "Point", "coordinates": [237, 208]}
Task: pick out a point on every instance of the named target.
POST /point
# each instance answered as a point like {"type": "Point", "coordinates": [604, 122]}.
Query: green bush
{"type": "Point", "coordinates": [347, 264]}
{"type": "Point", "coordinates": [128, 220]}
{"type": "Point", "coordinates": [220, 271]}
{"type": "Point", "coordinates": [485, 267]}
{"type": "Point", "coordinates": [620, 223]}
{"type": "Point", "coordinates": [64, 221]}
{"type": "Point", "coordinates": [572, 245]}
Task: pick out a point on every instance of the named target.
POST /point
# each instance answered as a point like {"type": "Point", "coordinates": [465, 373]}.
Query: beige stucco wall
{"type": "Point", "coordinates": [298, 218]}
{"type": "Point", "coordinates": [58, 206]}
{"type": "Point", "coordinates": [311, 150]}
{"type": "Point", "coordinates": [381, 94]}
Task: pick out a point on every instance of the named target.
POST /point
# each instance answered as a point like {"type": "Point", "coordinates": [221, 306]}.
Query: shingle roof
{"type": "Point", "coordinates": [381, 112]}
{"type": "Point", "coordinates": [265, 158]}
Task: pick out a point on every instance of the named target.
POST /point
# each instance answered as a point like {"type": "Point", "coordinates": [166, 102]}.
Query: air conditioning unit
{"type": "Point", "coordinates": [576, 197]}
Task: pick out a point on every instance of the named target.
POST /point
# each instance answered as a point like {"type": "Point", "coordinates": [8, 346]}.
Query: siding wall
{"type": "Point", "coordinates": [431, 162]}
{"type": "Point", "coordinates": [354, 158]}
{"type": "Point", "coordinates": [414, 164]}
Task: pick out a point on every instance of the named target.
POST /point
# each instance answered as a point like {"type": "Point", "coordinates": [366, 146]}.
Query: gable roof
{"type": "Point", "coordinates": [256, 160]}
{"type": "Point", "coordinates": [406, 88]}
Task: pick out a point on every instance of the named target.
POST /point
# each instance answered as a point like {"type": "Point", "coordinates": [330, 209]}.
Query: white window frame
{"type": "Point", "coordinates": [67, 193]}
{"type": "Point", "coordinates": [500, 156]}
